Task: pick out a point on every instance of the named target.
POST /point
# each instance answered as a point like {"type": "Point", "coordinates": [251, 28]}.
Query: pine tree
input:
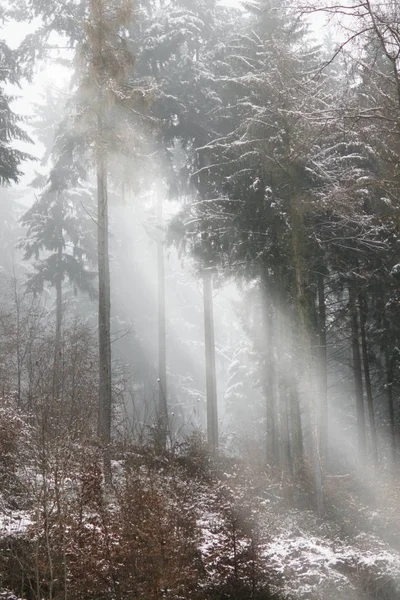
{"type": "Point", "coordinates": [252, 169]}
{"type": "Point", "coordinates": [106, 102]}
{"type": "Point", "coordinates": [10, 129]}
{"type": "Point", "coordinates": [178, 41]}
{"type": "Point", "coordinates": [363, 191]}
{"type": "Point", "coordinates": [59, 233]}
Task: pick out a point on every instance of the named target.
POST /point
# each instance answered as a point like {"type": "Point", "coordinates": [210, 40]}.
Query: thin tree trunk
{"type": "Point", "coordinates": [296, 428]}
{"type": "Point", "coordinates": [357, 371]}
{"type": "Point", "coordinates": [270, 389]}
{"type": "Point", "coordinates": [367, 377]}
{"type": "Point", "coordinates": [389, 364]}
{"type": "Point", "coordinates": [105, 395]}
{"type": "Point", "coordinates": [284, 425]}
{"type": "Point", "coordinates": [298, 247]}
{"type": "Point", "coordinates": [282, 391]}
{"type": "Point", "coordinates": [162, 337]}
{"type": "Point", "coordinates": [18, 341]}
{"type": "Point", "coordinates": [57, 342]}
{"type": "Point", "coordinates": [211, 380]}
{"type": "Point", "coordinates": [323, 371]}
{"type": "Point", "coordinates": [272, 445]}
{"type": "Point", "coordinates": [295, 449]}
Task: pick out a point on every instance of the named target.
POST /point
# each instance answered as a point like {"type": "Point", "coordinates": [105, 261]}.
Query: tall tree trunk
{"type": "Point", "coordinates": [270, 374]}
{"type": "Point", "coordinates": [105, 396]}
{"type": "Point", "coordinates": [211, 380]}
{"type": "Point", "coordinates": [294, 449]}
{"type": "Point", "coordinates": [303, 311]}
{"type": "Point", "coordinates": [389, 366]}
{"type": "Point", "coordinates": [57, 342]}
{"type": "Point", "coordinates": [162, 335]}
{"type": "Point", "coordinates": [296, 427]}
{"type": "Point", "coordinates": [282, 392]}
{"type": "Point", "coordinates": [358, 386]}
{"type": "Point", "coordinates": [323, 371]}
{"type": "Point", "coordinates": [367, 377]}
{"type": "Point", "coordinates": [17, 301]}
{"type": "Point", "coordinates": [284, 425]}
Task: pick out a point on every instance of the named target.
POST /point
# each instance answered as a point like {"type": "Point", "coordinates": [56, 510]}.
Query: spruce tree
{"type": "Point", "coordinates": [10, 129]}
{"type": "Point", "coordinates": [106, 101]}
{"type": "Point", "coordinates": [59, 231]}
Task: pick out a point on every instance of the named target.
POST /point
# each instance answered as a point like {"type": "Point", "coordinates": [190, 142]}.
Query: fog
{"type": "Point", "coordinates": [199, 288]}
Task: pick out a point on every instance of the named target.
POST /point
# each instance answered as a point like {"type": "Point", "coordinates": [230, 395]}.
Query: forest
{"type": "Point", "coordinates": [199, 300]}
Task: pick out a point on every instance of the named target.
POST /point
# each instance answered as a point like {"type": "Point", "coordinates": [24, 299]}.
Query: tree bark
{"type": "Point", "coordinates": [57, 342]}
{"type": "Point", "coordinates": [357, 373]}
{"type": "Point", "coordinates": [105, 394]}
{"type": "Point", "coordinates": [389, 364]}
{"type": "Point", "coordinates": [282, 392]}
{"type": "Point", "coordinates": [323, 371]}
{"type": "Point", "coordinates": [162, 337]}
{"type": "Point", "coordinates": [367, 377]}
{"type": "Point", "coordinates": [296, 427]}
{"type": "Point", "coordinates": [303, 310]}
{"type": "Point", "coordinates": [284, 425]}
{"type": "Point", "coordinates": [270, 374]}
{"type": "Point", "coordinates": [18, 338]}
{"type": "Point", "coordinates": [211, 380]}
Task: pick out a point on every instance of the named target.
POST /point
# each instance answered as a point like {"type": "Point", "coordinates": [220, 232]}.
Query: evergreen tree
{"type": "Point", "coordinates": [252, 173]}
{"type": "Point", "coordinates": [106, 102]}
{"type": "Point", "coordinates": [10, 129]}
{"type": "Point", "coordinates": [59, 232]}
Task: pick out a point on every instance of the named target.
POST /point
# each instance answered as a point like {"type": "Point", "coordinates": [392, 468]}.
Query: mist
{"type": "Point", "coordinates": [199, 317]}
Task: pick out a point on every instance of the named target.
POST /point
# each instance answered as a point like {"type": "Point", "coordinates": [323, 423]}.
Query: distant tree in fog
{"type": "Point", "coordinates": [60, 236]}
{"type": "Point", "coordinates": [180, 40]}
{"type": "Point", "coordinates": [105, 105]}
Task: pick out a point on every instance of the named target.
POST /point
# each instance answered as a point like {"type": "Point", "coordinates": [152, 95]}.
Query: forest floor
{"type": "Point", "coordinates": [211, 528]}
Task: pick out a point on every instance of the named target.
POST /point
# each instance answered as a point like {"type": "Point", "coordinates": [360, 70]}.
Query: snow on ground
{"type": "Point", "coordinates": [308, 559]}
{"type": "Point", "coordinates": [310, 566]}
{"type": "Point", "coordinates": [14, 522]}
